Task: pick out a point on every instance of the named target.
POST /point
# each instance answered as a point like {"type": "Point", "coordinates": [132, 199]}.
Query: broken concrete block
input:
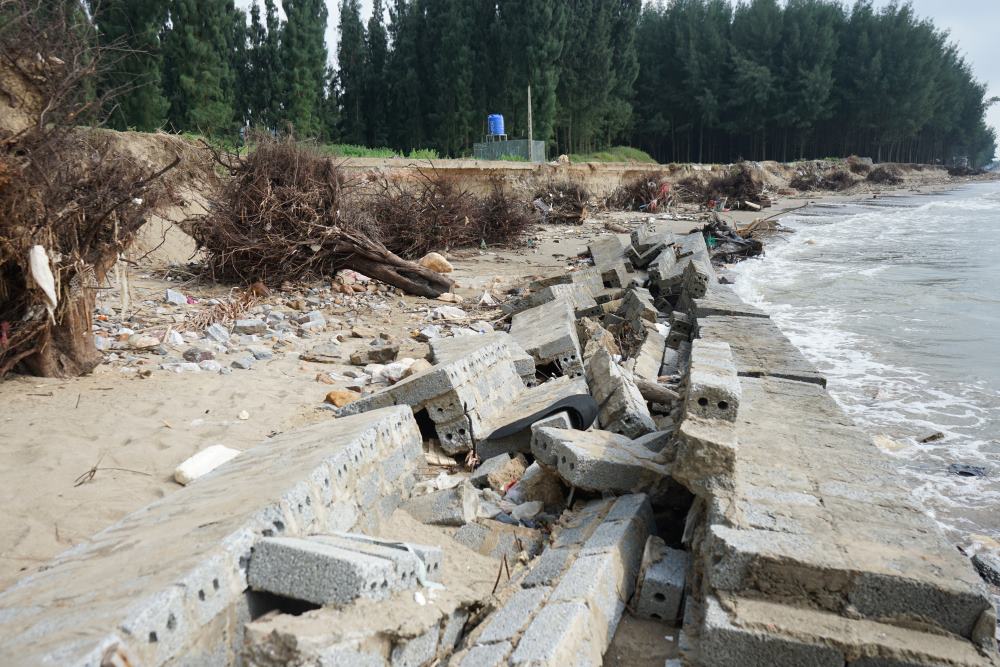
{"type": "Point", "coordinates": [563, 394]}
{"type": "Point", "coordinates": [203, 463]}
{"type": "Point", "coordinates": [375, 354]}
{"type": "Point", "coordinates": [602, 461]}
{"type": "Point", "coordinates": [556, 636]}
{"type": "Point", "coordinates": [548, 333]}
{"type": "Point", "coordinates": [539, 484]}
{"type": "Point", "coordinates": [615, 276]}
{"type": "Point", "coordinates": [706, 455]}
{"type": "Point", "coordinates": [250, 327]}
{"type": "Point", "coordinates": [592, 332]}
{"type": "Point", "coordinates": [660, 587]}
{"type": "Point", "coordinates": [448, 350]}
{"type": "Point", "coordinates": [497, 539]}
{"type": "Point", "coordinates": [448, 507]}
{"type": "Point", "coordinates": [719, 300]}
{"type": "Point", "coordinates": [310, 570]}
{"type": "Point", "coordinates": [622, 408]}
{"type": "Point", "coordinates": [578, 294]}
{"type": "Point", "coordinates": [591, 277]}
{"type": "Point", "coordinates": [648, 360]}
{"type": "Point", "coordinates": [698, 275]}
{"type": "Point", "coordinates": [499, 472]}
{"type": "Point", "coordinates": [778, 358]}
{"type": "Point", "coordinates": [607, 249]}
{"type": "Point", "coordinates": [540, 447]}
{"type": "Point", "coordinates": [414, 563]}
{"type": "Point", "coordinates": [506, 623]}
{"type": "Point", "coordinates": [637, 307]}
{"type": "Point", "coordinates": [713, 389]}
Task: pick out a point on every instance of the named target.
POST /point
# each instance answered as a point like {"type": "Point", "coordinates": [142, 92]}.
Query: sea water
{"type": "Point", "coordinates": [897, 301]}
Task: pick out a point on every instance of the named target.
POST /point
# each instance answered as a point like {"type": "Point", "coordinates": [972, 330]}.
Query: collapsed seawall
{"type": "Point", "coordinates": [718, 487]}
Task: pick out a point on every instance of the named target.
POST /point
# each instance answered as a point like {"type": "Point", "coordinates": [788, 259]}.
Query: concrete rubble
{"type": "Point", "coordinates": [741, 506]}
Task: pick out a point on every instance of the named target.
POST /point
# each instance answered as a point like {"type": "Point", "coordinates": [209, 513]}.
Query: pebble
{"type": "Point", "coordinates": [436, 263]}
{"type": "Point", "coordinates": [174, 338]}
{"type": "Point", "coordinates": [341, 397]}
{"type": "Point", "coordinates": [376, 354]}
{"type": "Point", "coordinates": [175, 298]}
{"type": "Point", "coordinates": [429, 333]}
{"type": "Point", "coordinates": [250, 327]}
{"type": "Point", "coordinates": [211, 366]}
{"type": "Point", "coordinates": [218, 333]}
{"type": "Point", "coordinates": [261, 353]}
{"type": "Point", "coordinates": [448, 313]}
{"type": "Point", "coordinates": [243, 363]}
{"type": "Point", "coordinates": [142, 342]}
{"type": "Point", "coordinates": [197, 355]}
{"type": "Point", "coordinates": [244, 415]}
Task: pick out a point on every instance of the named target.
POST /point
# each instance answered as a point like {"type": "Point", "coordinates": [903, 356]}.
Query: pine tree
{"type": "Point", "coordinates": [351, 75]}
{"type": "Point", "coordinates": [449, 86]}
{"type": "Point", "coordinates": [376, 107]}
{"type": "Point", "coordinates": [585, 77]}
{"type": "Point", "coordinates": [533, 33]}
{"type": "Point", "coordinates": [625, 68]}
{"type": "Point", "coordinates": [198, 76]}
{"type": "Point", "coordinates": [406, 95]}
{"type": "Point", "coordinates": [130, 30]}
{"type": "Point", "coordinates": [303, 65]}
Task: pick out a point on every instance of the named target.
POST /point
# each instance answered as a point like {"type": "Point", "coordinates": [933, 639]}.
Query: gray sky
{"type": "Point", "coordinates": [973, 25]}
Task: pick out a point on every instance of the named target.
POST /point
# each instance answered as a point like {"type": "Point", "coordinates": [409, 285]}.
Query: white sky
{"type": "Point", "coordinates": [973, 24]}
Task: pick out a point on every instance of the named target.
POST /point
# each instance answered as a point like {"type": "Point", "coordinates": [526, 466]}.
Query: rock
{"type": "Point", "coordinates": [261, 353]}
{"type": "Point", "coordinates": [429, 333]}
{"type": "Point", "coordinates": [243, 363]}
{"type": "Point", "coordinates": [244, 415]}
{"type": "Point", "coordinates": [363, 332]}
{"type": "Point", "coordinates": [197, 355]}
{"type": "Point", "coordinates": [142, 342]}
{"type": "Point", "coordinates": [436, 263]}
{"type": "Point", "coordinates": [988, 566]}
{"type": "Point", "coordinates": [537, 483]}
{"type": "Point", "coordinates": [312, 317]}
{"type": "Point", "coordinates": [933, 437]}
{"type": "Point", "coordinates": [324, 353]}
{"type": "Point", "coordinates": [250, 327]}
{"type": "Point", "coordinates": [102, 343]}
{"type": "Point", "coordinates": [448, 313]}
{"type": "Point", "coordinates": [176, 298]}
{"type": "Point", "coordinates": [376, 354]}
{"type": "Point", "coordinates": [218, 333]}
{"type": "Point", "coordinates": [174, 338]}
{"type": "Point", "coordinates": [450, 297]}
{"type": "Point", "coordinates": [449, 507]}
{"type": "Point", "coordinates": [528, 510]}
{"type": "Point", "coordinates": [210, 365]}
{"type": "Point", "coordinates": [341, 397]}
{"type": "Point", "coordinates": [482, 327]}
{"type": "Point", "coordinates": [500, 472]}
{"type": "Point", "coordinates": [418, 366]}
{"type": "Point", "coordinates": [965, 470]}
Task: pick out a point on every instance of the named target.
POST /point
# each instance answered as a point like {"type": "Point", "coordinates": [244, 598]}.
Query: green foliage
{"type": "Point", "coordinates": [352, 73]}
{"type": "Point", "coordinates": [303, 64]}
{"type": "Point", "coordinates": [354, 150]}
{"type": "Point", "coordinates": [423, 154]}
{"type": "Point", "coordinates": [512, 158]}
{"type": "Point", "coordinates": [615, 154]}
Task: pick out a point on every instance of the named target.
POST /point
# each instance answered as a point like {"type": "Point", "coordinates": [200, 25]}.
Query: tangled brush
{"type": "Point", "coordinates": [563, 202]}
{"type": "Point", "coordinates": [885, 174]}
{"type": "Point", "coordinates": [647, 192]}
{"type": "Point", "coordinates": [289, 214]}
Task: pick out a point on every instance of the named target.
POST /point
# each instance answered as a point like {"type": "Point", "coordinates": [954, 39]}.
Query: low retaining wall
{"type": "Point", "coordinates": [166, 585]}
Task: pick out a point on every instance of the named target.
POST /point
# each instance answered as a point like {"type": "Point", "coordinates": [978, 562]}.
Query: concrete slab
{"type": "Point", "coordinates": [721, 300]}
{"type": "Point", "coordinates": [456, 348]}
{"type": "Point", "coordinates": [607, 249]}
{"type": "Point", "coordinates": [548, 333]}
{"type": "Point", "coordinates": [759, 348]}
{"type": "Point", "coordinates": [162, 580]}
{"type": "Point", "coordinates": [622, 409]}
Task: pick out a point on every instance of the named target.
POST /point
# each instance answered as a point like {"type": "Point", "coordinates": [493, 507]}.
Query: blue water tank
{"type": "Point", "coordinates": [495, 123]}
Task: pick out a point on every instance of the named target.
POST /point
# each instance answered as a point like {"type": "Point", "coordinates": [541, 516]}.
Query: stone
{"type": "Point", "coordinates": [142, 342]}
{"type": "Point", "coordinates": [198, 355]}
{"type": "Point", "coordinates": [988, 566]}
{"type": "Point", "coordinates": [323, 353]}
{"type": "Point", "coordinates": [429, 333]}
{"type": "Point", "coordinates": [607, 249]}
{"type": "Point", "coordinates": [450, 297]}
{"type": "Point", "coordinates": [436, 263]}
{"type": "Point", "coordinates": [540, 484]}
{"type": "Point", "coordinates": [250, 327]}
{"type": "Point", "coordinates": [497, 539]}
{"type": "Point", "coordinates": [418, 366]}
{"type": "Point", "coordinates": [243, 363]}
{"type": "Point", "coordinates": [448, 313]}
{"type": "Point", "coordinates": [448, 507]}
{"type": "Point", "coordinates": [375, 354]}
{"type": "Point", "coordinates": [211, 366]}
{"type": "Point", "coordinates": [313, 317]}
{"type": "Point", "coordinates": [603, 461]}
{"type": "Point", "coordinates": [341, 397]}
{"type": "Point", "coordinates": [660, 587]}
{"type": "Point", "coordinates": [175, 298]}
{"type": "Point", "coordinates": [556, 636]}
{"type": "Point", "coordinates": [261, 353]}
{"type": "Point", "coordinates": [500, 478]}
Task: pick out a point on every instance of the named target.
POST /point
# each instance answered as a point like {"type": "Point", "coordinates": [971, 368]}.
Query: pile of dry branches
{"type": "Point", "coordinates": [647, 192]}
{"type": "Point", "coordinates": [563, 202]}
{"type": "Point", "coordinates": [741, 182]}
{"type": "Point", "coordinates": [288, 214]}
{"type": "Point", "coordinates": [71, 199]}
{"type": "Point", "coordinates": [885, 174]}
{"type": "Point", "coordinates": [815, 178]}
{"type": "Point", "coordinates": [434, 214]}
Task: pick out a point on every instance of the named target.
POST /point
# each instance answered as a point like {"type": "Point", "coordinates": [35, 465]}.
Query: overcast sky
{"type": "Point", "coordinates": [973, 24]}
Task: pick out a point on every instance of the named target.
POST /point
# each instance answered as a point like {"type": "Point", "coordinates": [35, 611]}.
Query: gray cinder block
{"type": "Point", "coordinates": [660, 587]}
{"type": "Point", "coordinates": [622, 409]}
{"type": "Point", "coordinates": [713, 389]}
{"type": "Point", "coordinates": [449, 507]}
{"type": "Point", "coordinates": [602, 461]}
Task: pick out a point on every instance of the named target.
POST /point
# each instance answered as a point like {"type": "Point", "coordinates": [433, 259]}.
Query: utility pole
{"type": "Point", "coordinates": [531, 134]}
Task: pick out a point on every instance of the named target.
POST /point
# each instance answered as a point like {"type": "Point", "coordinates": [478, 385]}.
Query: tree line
{"type": "Point", "coordinates": [688, 80]}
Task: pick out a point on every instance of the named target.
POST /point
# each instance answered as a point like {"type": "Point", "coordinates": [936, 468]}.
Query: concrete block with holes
{"type": "Point", "coordinates": [713, 390]}
{"type": "Point", "coordinates": [164, 583]}
{"type": "Point", "coordinates": [660, 587]}
{"type": "Point", "coordinates": [548, 333]}
{"type": "Point", "coordinates": [455, 348]}
{"type": "Point", "coordinates": [448, 507]}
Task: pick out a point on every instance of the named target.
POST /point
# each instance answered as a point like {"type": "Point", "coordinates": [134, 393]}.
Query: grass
{"type": "Point", "coordinates": [615, 154]}
{"type": "Point", "coordinates": [512, 158]}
